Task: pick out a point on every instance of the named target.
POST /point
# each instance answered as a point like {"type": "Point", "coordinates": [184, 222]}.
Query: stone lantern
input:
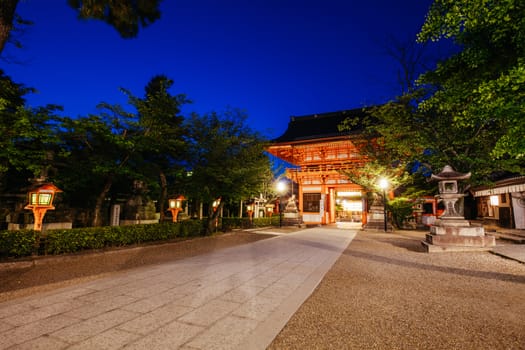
{"type": "Point", "coordinates": [40, 201]}
{"type": "Point", "coordinates": [175, 206]}
{"type": "Point", "coordinates": [451, 232]}
{"type": "Point", "coordinates": [448, 191]}
{"type": "Point", "coordinates": [269, 209]}
{"type": "Point", "coordinates": [249, 210]}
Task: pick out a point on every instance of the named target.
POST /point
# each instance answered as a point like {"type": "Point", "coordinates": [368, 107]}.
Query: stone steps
{"type": "Point", "coordinates": [377, 226]}
{"type": "Point", "coordinates": [509, 236]}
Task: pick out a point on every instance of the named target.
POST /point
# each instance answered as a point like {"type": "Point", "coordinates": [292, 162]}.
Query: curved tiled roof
{"type": "Point", "coordinates": [316, 126]}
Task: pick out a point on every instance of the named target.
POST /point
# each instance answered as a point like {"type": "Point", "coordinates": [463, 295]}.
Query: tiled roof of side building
{"type": "Point", "coordinates": [317, 126]}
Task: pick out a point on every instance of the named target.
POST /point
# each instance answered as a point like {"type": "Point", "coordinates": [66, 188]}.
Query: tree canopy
{"type": "Point", "coordinates": [482, 88]}
{"type": "Point", "coordinates": [98, 157]}
{"type": "Point", "coordinates": [468, 111]}
{"type": "Point", "coordinates": [226, 161]}
{"type": "Point", "coordinates": [146, 147]}
{"type": "Point", "coordinates": [29, 136]}
{"type": "Point", "coordinates": [126, 16]}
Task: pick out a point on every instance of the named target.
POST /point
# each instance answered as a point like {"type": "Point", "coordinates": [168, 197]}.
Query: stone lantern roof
{"type": "Point", "coordinates": [448, 173]}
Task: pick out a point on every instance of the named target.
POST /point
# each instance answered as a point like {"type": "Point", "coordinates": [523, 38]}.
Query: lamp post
{"type": "Point", "coordinates": [175, 206]}
{"type": "Point", "coordinates": [383, 184]}
{"type": "Point", "coordinates": [281, 188]}
{"type": "Point", "coordinates": [40, 201]}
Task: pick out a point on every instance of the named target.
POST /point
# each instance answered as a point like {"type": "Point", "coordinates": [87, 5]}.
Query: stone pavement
{"type": "Point", "coordinates": [235, 298]}
{"type": "Point", "coordinates": [511, 251]}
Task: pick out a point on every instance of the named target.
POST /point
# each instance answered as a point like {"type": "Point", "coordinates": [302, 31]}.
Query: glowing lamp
{"type": "Point", "coordinates": [176, 202]}
{"type": "Point", "coordinates": [249, 209]}
{"type": "Point", "coordinates": [175, 206]}
{"type": "Point", "coordinates": [281, 189]}
{"type": "Point", "coordinates": [269, 209]}
{"type": "Point", "coordinates": [216, 203]}
{"type": "Point", "coordinates": [383, 184]}
{"type": "Point", "coordinates": [40, 201]}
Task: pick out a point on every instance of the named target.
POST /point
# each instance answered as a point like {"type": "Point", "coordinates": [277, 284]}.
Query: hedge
{"type": "Point", "coordinates": [231, 223]}
{"type": "Point", "coordinates": [28, 242]}
{"type": "Point", "coordinates": [17, 243]}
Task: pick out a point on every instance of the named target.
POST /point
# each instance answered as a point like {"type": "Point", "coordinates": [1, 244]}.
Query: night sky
{"type": "Point", "coordinates": [270, 58]}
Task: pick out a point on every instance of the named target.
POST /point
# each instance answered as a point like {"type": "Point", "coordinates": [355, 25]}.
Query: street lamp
{"type": "Point", "coordinates": [175, 206]}
{"type": "Point", "coordinates": [281, 188]}
{"type": "Point", "coordinates": [40, 201]}
{"type": "Point", "coordinates": [383, 184]}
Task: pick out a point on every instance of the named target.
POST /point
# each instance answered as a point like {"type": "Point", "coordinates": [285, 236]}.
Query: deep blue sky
{"type": "Point", "coordinates": [271, 58]}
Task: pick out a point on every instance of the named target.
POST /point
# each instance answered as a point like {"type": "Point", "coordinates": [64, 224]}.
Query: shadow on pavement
{"type": "Point", "coordinates": [428, 267]}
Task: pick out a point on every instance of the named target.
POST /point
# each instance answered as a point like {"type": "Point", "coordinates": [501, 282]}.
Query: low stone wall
{"type": "Point", "coordinates": [45, 226]}
{"type": "Point", "coordinates": [138, 222]}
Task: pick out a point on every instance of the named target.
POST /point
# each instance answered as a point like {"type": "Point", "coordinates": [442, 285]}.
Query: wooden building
{"type": "Point", "coordinates": [503, 203]}
{"type": "Point", "coordinates": [320, 153]}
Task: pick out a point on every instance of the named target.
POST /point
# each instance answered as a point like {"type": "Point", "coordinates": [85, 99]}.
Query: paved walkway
{"type": "Point", "coordinates": [511, 251]}
{"type": "Point", "coordinates": [236, 298]}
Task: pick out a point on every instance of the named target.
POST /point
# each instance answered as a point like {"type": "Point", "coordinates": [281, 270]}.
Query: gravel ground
{"type": "Point", "coordinates": [39, 274]}
{"type": "Point", "coordinates": [385, 292]}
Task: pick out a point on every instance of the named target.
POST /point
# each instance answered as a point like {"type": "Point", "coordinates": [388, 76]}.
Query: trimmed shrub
{"type": "Point", "coordinates": [22, 243]}
{"type": "Point", "coordinates": [192, 228]}
{"type": "Point", "coordinates": [234, 223]}
{"type": "Point", "coordinates": [401, 209]}
{"type": "Point", "coordinates": [17, 243]}
{"type": "Point", "coordinates": [263, 222]}
{"type": "Point", "coordinates": [243, 223]}
{"type": "Point", "coordinates": [72, 240]}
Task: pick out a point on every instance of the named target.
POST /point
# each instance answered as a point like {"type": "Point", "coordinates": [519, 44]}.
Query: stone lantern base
{"type": "Point", "coordinates": [457, 235]}
{"type": "Point", "coordinates": [452, 232]}
{"type": "Point", "coordinates": [292, 219]}
{"type": "Point", "coordinates": [376, 219]}
{"type": "Point", "coordinates": [291, 214]}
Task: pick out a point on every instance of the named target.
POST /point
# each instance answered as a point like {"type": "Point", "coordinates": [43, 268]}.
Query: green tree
{"type": "Point", "coordinates": [481, 90]}
{"type": "Point", "coordinates": [420, 140]}
{"type": "Point", "coordinates": [386, 154]}
{"type": "Point", "coordinates": [226, 160]}
{"type": "Point", "coordinates": [126, 16]}
{"type": "Point", "coordinates": [390, 136]}
{"type": "Point", "coordinates": [120, 146]}
{"type": "Point", "coordinates": [29, 140]}
{"type": "Point", "coordinates": [101, 148]}
{"type": "Point", "coordinates": [162, 146]}
{"type": "Point", "coordinates": [468, 111]}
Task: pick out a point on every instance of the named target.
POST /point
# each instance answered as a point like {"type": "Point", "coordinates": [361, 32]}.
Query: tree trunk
{"type": "Point", "coordinates": [163, 195]}
{"type": "Point", "coordinates": [7, 14]}
{"type": "Point", "coordinates": [97, 217]}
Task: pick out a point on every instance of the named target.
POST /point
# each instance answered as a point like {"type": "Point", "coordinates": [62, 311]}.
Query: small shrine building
{"type": "Point", "coordinates": [320, 153]}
